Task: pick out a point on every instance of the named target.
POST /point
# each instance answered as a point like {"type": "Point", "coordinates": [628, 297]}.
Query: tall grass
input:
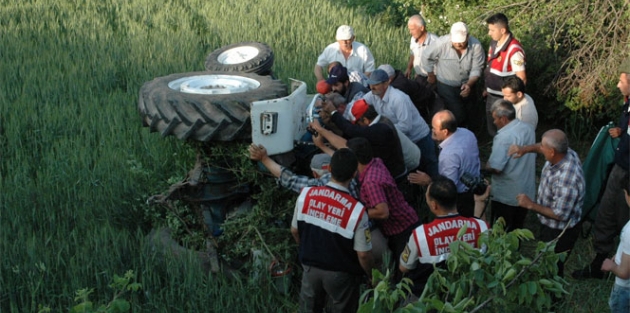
{"type": "Point", "coordinates": [75, 164]}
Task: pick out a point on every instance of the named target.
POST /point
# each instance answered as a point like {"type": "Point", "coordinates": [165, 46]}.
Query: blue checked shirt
{"type": "Point", "coordinates": [562, 189]}
{"type": "Point", "coordinates": [295, 182]}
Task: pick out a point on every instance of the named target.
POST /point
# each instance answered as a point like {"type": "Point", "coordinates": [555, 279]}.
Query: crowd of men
{"type": "Point", "coordinates": [386, 134]}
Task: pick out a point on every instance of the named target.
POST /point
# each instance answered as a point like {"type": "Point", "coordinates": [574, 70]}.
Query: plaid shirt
{"type": "Point", "coordinates": [378, 186]}
{"type": "Point", "coordinates": [562, 189]}
{"type": "Point", "coordinates": [295, 182]}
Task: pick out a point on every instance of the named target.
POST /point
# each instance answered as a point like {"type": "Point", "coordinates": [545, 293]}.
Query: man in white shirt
{"type": "Point", "coordinates": [513, 90]}
{"type": "Point", "coordinates": [353, 55]}
{"type": "Point", "coordinates": [420, 40]}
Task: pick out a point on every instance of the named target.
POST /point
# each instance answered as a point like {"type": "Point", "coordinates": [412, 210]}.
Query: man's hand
{"type": "Point", "coordinates": [615, 132]}
{"type": "Point", "coordinates": [608, 265]}
{"type": "Point", "coordinates": [465, 91]}
{"type": "Point", "coordinates": [408, 73]}
{"type": "Point", "coordinates": [524, 201]}
{"type": "Point", "coordinates": [318, 140]}
{"type": "Point", "coordinates": [484, 196]}
{"type": "Point", "coordinates": [515, 151]}
{"type": "Point", "coordinates": [431, 78]}
{"type": "Point", "coordinates": [419, 178]}
{"type": "Point", "coordinates": [257, 152]}
{"type": "Point", "coordinates": [315, 125]}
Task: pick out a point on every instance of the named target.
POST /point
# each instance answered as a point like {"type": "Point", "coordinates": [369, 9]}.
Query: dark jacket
{"type": "Point", "coordinates": [421, 96]}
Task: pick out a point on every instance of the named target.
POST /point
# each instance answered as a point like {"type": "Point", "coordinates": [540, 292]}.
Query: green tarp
{"type": "Point", "coordinates": [596, 168]}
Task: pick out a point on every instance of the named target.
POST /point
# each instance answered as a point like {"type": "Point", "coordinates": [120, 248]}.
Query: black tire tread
{"type": "Point", "coordinates": [203, 117]}
{"type": "Point", "coordinates": [261, 64]}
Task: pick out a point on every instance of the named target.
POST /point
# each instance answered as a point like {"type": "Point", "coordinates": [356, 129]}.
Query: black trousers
{"type": "Point", "coordinates": [514, 215]}
{"type": "Point", "coordinates": [466, 204]}
{"type": "Point", "coordinates": [564, 244]}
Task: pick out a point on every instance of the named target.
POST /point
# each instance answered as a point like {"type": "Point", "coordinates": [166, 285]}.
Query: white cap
{"type": "Point", "coordinates": [388, 69]}
{"type": "Point", "coordinates": [344, 32]}
{"type": "Point", "coordinates": [459, 32]}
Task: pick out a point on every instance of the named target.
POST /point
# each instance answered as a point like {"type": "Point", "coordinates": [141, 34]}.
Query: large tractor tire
{"type": "Point", "coordinates": [205, 106]}
{"type": "Point", "coordinates": [247, 57]}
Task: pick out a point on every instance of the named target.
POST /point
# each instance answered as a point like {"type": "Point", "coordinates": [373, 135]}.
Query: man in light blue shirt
{"type": "Point", "coordinates": [510, 176]}
{"type": "Point", "coordinates": [459, 155]}
{"type": "Point", "coordinates": [459, 60]}
{"type": "Point", "coordinates": [396, 106]}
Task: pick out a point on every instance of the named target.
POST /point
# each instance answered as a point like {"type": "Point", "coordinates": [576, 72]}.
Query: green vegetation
{"type": "Point", "coordinates": [499, 279]}
{"type": "Point", "coordinates": [76, 166]}
{"type": "Point", "coordinates": [571, 45]}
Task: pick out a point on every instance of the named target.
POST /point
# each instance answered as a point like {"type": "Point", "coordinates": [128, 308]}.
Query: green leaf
{"type": "Point", "coordinates": [119, 306]}
{"type": "Point", "coordinates": [533, 287]}
{"type": "Point", "coordinates": [462, 231]}
{"type": "Point", "coordinates": [493, 284]}
{"type": "Point", "coordinates": [82, 307]}
{"type": "Point", "coordinates": [475, 266]}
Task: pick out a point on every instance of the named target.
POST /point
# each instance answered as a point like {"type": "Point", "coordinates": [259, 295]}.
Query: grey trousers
{"type": "Point", "coordinates": [342, 290]}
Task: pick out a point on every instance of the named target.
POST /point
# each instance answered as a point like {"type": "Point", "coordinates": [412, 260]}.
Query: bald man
{"type": "Point", "coordinates": [560, 193]}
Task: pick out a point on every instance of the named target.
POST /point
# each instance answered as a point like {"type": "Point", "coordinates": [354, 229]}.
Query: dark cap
{"type": "Point", "coordinates": [337, 74]}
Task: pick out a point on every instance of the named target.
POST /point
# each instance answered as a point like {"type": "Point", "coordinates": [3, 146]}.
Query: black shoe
{"type": "Point", "coordinates": [589, 272]}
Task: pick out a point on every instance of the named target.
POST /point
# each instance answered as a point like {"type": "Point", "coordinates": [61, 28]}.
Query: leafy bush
{"type": "Point", "coordinates": [501, 278]}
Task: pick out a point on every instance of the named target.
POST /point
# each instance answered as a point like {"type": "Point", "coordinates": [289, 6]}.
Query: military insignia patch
{"type": "Point", "coordinates": [405, 254]}
{"type": "Point", "coordinates": [519, 62]}
{"type": "Point", "coordinates": [368, 235]}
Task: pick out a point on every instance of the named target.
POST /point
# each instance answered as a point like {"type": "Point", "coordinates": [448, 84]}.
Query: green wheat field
{"type": "Point", "coordinates": [76, 165]}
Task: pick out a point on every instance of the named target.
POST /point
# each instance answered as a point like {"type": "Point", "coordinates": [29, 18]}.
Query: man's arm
{"type": "Point", "coordinates": [499, 156]}
{"type": "Point", "coordinates": [409, 66]}
{"type": "Point", "coordinates": [296, 235]}
{"type": "Point", "coordinates": [518, 65]}
{"type": "Point", "coordinates": [379, 212]}
{"type": "Point", "coordinates": [481, 201]}
{"type": "Point", "coordinates": [334, 139]}
{"type": "Point", "coordinates": [318, 140]}
{"type": "Point", "coordinates": [516, 151]}
{"type": "Point", "coordinates": [522, 76]}
{"type": "Point", "coordinates": [318, 72]}
{"type": "Point", "coordinates": [403, 110]}
{"type": "Point", "coordinates": [478, 63]}
{"type": "Point", "coordinates": [468, 86]}
{"type": "Point", "coordinates": [419, 178]}
{"type": "Point", "coordinates": [620, 270]}
{"type": "Point", "coordinates": [449, 165]}
{"type": "Point", "coordinates": [259, 153]}
{"type": "Point", "coordinates": [286, 178]}
{"type": "Point", "coordinates": [430, 58]}
{"type": "Point", "coordinates": [403, 269]}
{"type": "Point", "coordinates": [368, 62]}
{"type": "Point", "coordinates": [366, 259]}
{"type": "Point", "coordinates": [525, 202]}
{"type": "Point", "coordinates": [492, 170]}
